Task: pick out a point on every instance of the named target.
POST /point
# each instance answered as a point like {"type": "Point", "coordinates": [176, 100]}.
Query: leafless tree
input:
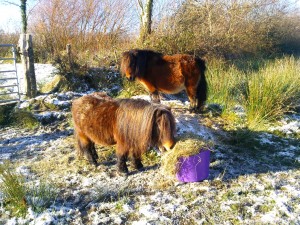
{"type": "Point", "coordinates": [146, 10]}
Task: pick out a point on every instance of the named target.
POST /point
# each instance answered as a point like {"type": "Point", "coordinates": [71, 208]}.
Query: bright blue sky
{"type": "Point", "coordinates": [10, 14]}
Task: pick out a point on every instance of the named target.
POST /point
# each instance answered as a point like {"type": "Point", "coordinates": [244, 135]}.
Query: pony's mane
{"type": "Point", "coordinates": [168, 125]}
{"type": "Point", "coordinates": [137, 59]}
{"type": "Point", "coordinates": [142, 115]}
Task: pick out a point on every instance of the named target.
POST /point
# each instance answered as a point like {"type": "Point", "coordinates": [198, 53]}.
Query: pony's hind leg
{"type": "Point", "coordinates": [79, 150]}
{"type": "Point", "coordinates": [86, 147]}
{"type": "Point", "coordinates": [94, 152]}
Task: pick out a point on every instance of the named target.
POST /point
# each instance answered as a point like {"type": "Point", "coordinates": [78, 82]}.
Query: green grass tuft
{"type": "Point", "coordinates": [13, 190]}
{"type": "Point", "coordinates": [266, 91]}
{"type": "Point", "coordinates": [272, 91]}
{"type": "Point", "coordinates": [18, 195]}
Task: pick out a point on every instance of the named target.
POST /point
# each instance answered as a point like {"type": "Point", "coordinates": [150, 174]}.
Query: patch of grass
{"type": "Point", "coordinates": [24, 119]}
{"type": "Point", "coordinates": [14, 190]}
{"type": "Point", "coordinates": [18, 195]}
{"type": "Point", "coordinates": [226, 85]}
{"type": "Point", "coordinates": [10, 115]}
{"type": "Point", "coordinates": [5, 113]}
{"type": "Point", "coordinates": [41, 196]}
{"type": "Point", "coordinates": [272, 91]}
{"type": "Point", "coordinates": [131, 89]}
{"type": "Point", "coordinates": [151, 157]}
{"type": "Point", "coordinates": [266, 91]}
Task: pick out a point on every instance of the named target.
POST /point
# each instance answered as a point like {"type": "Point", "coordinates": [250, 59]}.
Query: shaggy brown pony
{"type": "Point", "coordinates": [132, 124]}
{"type": "Point", "coordinates": [168, 74]}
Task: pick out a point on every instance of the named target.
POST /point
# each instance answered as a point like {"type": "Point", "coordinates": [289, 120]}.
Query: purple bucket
{"type": "Point", "coordinates": [194, 168]}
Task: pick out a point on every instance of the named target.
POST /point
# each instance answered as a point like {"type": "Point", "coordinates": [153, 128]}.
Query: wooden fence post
{"type": "Point", "coordinates": [70, 59]}
{"type": "Point", "coordinates": [27, 58]}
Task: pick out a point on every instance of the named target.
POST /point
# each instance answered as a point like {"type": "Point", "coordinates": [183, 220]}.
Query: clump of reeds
{"type": "Point", "coordinates": [187, 145]}
{"type": "Point", "coordinates": [272, 92]}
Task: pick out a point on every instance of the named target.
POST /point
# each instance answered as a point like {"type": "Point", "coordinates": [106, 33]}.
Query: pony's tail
{"type": "Point", "coordinates": [202, 85]}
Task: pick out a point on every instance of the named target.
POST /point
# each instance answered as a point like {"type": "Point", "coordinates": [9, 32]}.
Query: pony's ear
{"type": "Point", "coordinates": [141, 63]}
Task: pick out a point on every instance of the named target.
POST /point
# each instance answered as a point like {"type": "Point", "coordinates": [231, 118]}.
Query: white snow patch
{"type": "Point", "coordinates": [143, 221]}
{"type": "Point", "coordinates": [149, 212]}
{"type": "Point", "coordinates": [288, 126]}
{"type": "Point", "coordinates": [43, 219]}
{"type": "Point", "coordinates": [44, 73]}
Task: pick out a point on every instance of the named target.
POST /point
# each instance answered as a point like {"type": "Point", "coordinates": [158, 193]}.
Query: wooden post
{"type": "Point", "coordinates": [27, 57]}
{"type": "Point", "coordinates": [69, 53]}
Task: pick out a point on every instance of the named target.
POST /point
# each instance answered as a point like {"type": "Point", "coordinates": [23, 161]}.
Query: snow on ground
{"type": "Point", "coordinates": [44, 73]}
{"type": "Point", "coordinates": [288, 125]}
{"type": "Point", "coordinates": [255, 183]}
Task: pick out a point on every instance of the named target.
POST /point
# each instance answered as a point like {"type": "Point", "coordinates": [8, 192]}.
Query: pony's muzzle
{"type": "Point", "coordinates": [167, 146]}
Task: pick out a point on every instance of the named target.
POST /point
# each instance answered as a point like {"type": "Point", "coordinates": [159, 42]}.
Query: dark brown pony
{"type": "Point", "coordinates": [132, 124]}
{"type": "Point", "coordinates": [168, 74]}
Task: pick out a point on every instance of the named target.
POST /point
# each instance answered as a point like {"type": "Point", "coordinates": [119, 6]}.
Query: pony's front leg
{"type": "Point", "coordinates": [122, 156]}
{"type": "Point", "coordinates": [191, 92]}
{"type": "Point", "coordinates": [154, 94]}
{"type": "Point", "coordinates": [193, 105]}
{"type": "Point", "coordinates": [155, 97]}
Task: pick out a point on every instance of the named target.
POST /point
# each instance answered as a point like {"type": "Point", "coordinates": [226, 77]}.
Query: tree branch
{"type": "Point", "coordinates": [11, 3]}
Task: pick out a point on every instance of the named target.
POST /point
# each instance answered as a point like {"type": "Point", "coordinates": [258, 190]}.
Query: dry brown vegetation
{"type": "Point", "coordinates": [100, 30]}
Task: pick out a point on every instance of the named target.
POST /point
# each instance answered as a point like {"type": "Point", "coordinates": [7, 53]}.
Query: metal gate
{"type": "Point", "coordinates": [9, 82]}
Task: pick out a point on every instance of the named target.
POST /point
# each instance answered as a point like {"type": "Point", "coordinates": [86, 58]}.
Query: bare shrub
{"type": "Point", "coordinates": [89, 26]}
{"type": "Point", "coordinates": [227, 28]}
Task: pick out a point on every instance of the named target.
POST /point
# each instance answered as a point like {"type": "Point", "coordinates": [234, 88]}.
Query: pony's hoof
{"type": "Point", "coordinates": [96, 164]}
{"type": "Point", "coordinates": [141, 169]}
{"type": "Point", "coordinates": [122, 173]}
{"type": "Point", "coordinates": [138, 166]}
{"type": "Point", "coordinates": [93, 162]}
{"type": "Point", "coordinates": [193, 110]}
{"type": "Point", "coordinates": [122, 170]}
